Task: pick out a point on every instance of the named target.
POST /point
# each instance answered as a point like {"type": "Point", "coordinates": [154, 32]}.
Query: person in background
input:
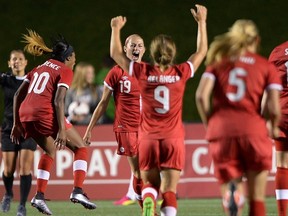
{"type": "Point", "coordinates": [10, 82]}
{"type": "Point", "coordinates": [236, 77]}
{"type": "Point", "coordinates": [161, 132]}
{"type": "Point", "coordinates": [39, 113]}
{"type": "Point", "coordinates": [83, 95]}
{"type": "Point", "coordinates": [127, 115]}
{"type": "Point", "coordinates": [279, 57]}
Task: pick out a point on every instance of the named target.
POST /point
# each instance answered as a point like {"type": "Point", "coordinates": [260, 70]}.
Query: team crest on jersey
{"type": "Point", "coordinates": [124, 77]}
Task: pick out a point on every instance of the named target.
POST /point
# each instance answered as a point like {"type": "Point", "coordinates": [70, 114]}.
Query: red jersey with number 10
{"type": "Point", "coordinates": [162, 97]}
{"type": "Point", "coordinates": [43, 83]}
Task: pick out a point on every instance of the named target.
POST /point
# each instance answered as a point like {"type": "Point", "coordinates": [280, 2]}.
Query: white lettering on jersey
{"type": "Point", "coordinates": [286, 51]}
{"type": "Point", "coordinates": [51, 65]}
{"type": "Point", "coordinates": [247, 60]}
{"type": "Point", "coordinates": [163, 79]}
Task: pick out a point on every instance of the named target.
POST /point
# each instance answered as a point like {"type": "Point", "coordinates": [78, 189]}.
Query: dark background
{"type": "Point", "coordinates": [86, 25]}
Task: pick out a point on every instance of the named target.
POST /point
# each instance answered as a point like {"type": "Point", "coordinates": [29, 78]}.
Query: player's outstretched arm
{"type": "Point", "coordinates": [200, 15]}
{"type": "Point", "coordinates": [116, 50]}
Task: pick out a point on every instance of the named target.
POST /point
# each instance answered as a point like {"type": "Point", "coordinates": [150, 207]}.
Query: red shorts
{"type": "Point", "coordinates": [234, 156]}
{"type": "Point", "coordinates": [164, 153]}
{"type": "Point", "coordinates": [127, 143]}
{"type": "Point", "coordinates": [42, 128]}
{"type": "Point", "coordinates": [281, 143]}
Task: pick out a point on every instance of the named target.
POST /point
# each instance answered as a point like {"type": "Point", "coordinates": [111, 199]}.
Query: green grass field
{"type": "Point", "coordinates": [187, 207]}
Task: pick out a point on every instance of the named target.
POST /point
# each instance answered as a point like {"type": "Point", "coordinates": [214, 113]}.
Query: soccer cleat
{"type": "Point", "coordinates": [40, 204]}
{"type": "Point", "coordinates": [125, 201]}
{"type": "Point", "coordinates": [148, 207]}
{"type": "Point", "coordinates": [21, 211]}
{"type": "Point", "coordinates": [5, 204]}
{"type": "Point", "coordinates": [82, 199]}
{"type": "Point", "coordinates": [233, 202]}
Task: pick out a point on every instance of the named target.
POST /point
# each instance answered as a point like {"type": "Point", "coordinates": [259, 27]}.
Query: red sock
{"type": "Point", "coordinates": [80, 166]}
{"type": "Point", "coordinates": [137, 186]}
{"type": "Point", "coordinates": [281, 180]}
{"type": "Point", "coordinates": [257, 208]}
{"type": "Point", "coordinates": [43, 174]}
{"type": "Point", "coordinates": [169, 204]}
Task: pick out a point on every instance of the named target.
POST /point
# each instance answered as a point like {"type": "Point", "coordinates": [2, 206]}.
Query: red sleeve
{"type": "Point", "coordinates": [66, 77]}
{"type": "Point", "coordinates": [112, 77]}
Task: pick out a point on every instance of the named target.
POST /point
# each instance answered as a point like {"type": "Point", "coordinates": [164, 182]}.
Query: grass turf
{"type": "Point", "coordinates": [186, 207]}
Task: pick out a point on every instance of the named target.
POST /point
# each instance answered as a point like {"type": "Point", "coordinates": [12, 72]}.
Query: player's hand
{"type": "Point", "coordinates": [200, 14]}
{"type": "Point", "coordinates": [60, 141]}
{"type": "Point", "coordinates": [118, 22]}
{"type": "Point", "coordinates": [87, 138]}
{"type": "Point", "coordinates": [16, 133]}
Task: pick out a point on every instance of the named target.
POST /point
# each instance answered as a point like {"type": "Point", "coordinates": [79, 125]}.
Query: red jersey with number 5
{"type": "Point", "coordinates": [43, 83]}
{"type": "Point", "coordinates": [237, 95]}
{"type": "Point", "coordinates": [126, 95]}
{"type": "Point", "coordinates": [279, 57]}
{"type": "Point", "coordinates": [162, 97]}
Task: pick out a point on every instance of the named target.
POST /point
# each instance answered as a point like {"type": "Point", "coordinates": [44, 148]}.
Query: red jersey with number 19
{"type": "Point", "coordinates": [162, 98]}
{"type": "Point", "coordinates": [279, 57]}
{"type": "Point", "coordinates": [237, 94]}
{"type": "Point", "coordinates": [126, 95]}
{"type": "Point", "coordinates": [43, 83]}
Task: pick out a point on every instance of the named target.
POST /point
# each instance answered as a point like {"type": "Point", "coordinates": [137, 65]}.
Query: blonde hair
{"type": "Point", "coordinates": [35, 44]}
{"type": "Point", "coordinates": [79, 80]}
{"type": "Point", "coordinates": [163, 51]}
{"type": "Point", "coordinates": [242, 34]}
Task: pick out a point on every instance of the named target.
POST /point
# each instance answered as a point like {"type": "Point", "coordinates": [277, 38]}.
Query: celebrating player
{"type": "Point", "coordinates": [161, 134]}
{"type": "Point", "coordinates": [236, 131]}
{"type": "Point", "coordinates": [127, 100]}
{"type": "Point", "coordinates": [39, 113]}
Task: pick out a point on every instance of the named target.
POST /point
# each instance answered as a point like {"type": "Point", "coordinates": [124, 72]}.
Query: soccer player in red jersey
{"type": "Point", "coordinates": [127, 114]}
{"type": "Point", "coordinates": [239, 142]}
{"type": "Point", "coordinates": [39, 113]}
{"type": "Point", "coordinates": [161, 134]}
{"type": "Point", "coordinates": [279, 57]}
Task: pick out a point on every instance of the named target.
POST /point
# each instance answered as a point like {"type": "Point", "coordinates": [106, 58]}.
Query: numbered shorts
{"type": "Point", "coordinates": [7, 145]}
{"type": "Point", "coordinates": [234, 156]}
{"type": "Point", "coordinates": [127, 143]}
{"type": "Point", "coordinates": [43, 128]}
{"type": "Point", "coordinates": [164, 153]}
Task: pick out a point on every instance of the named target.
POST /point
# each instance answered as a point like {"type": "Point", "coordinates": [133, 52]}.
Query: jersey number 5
{"type": "Point", "coordinates": [237, 81]}
{"type": "Point", "coordinates": [39, 83]}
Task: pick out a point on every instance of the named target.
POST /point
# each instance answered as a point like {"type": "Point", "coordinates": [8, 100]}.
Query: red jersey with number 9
{"type": "Point", "coordinates": [43, 83]}
{"type": "Point", "coordinates": [162, 97]}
